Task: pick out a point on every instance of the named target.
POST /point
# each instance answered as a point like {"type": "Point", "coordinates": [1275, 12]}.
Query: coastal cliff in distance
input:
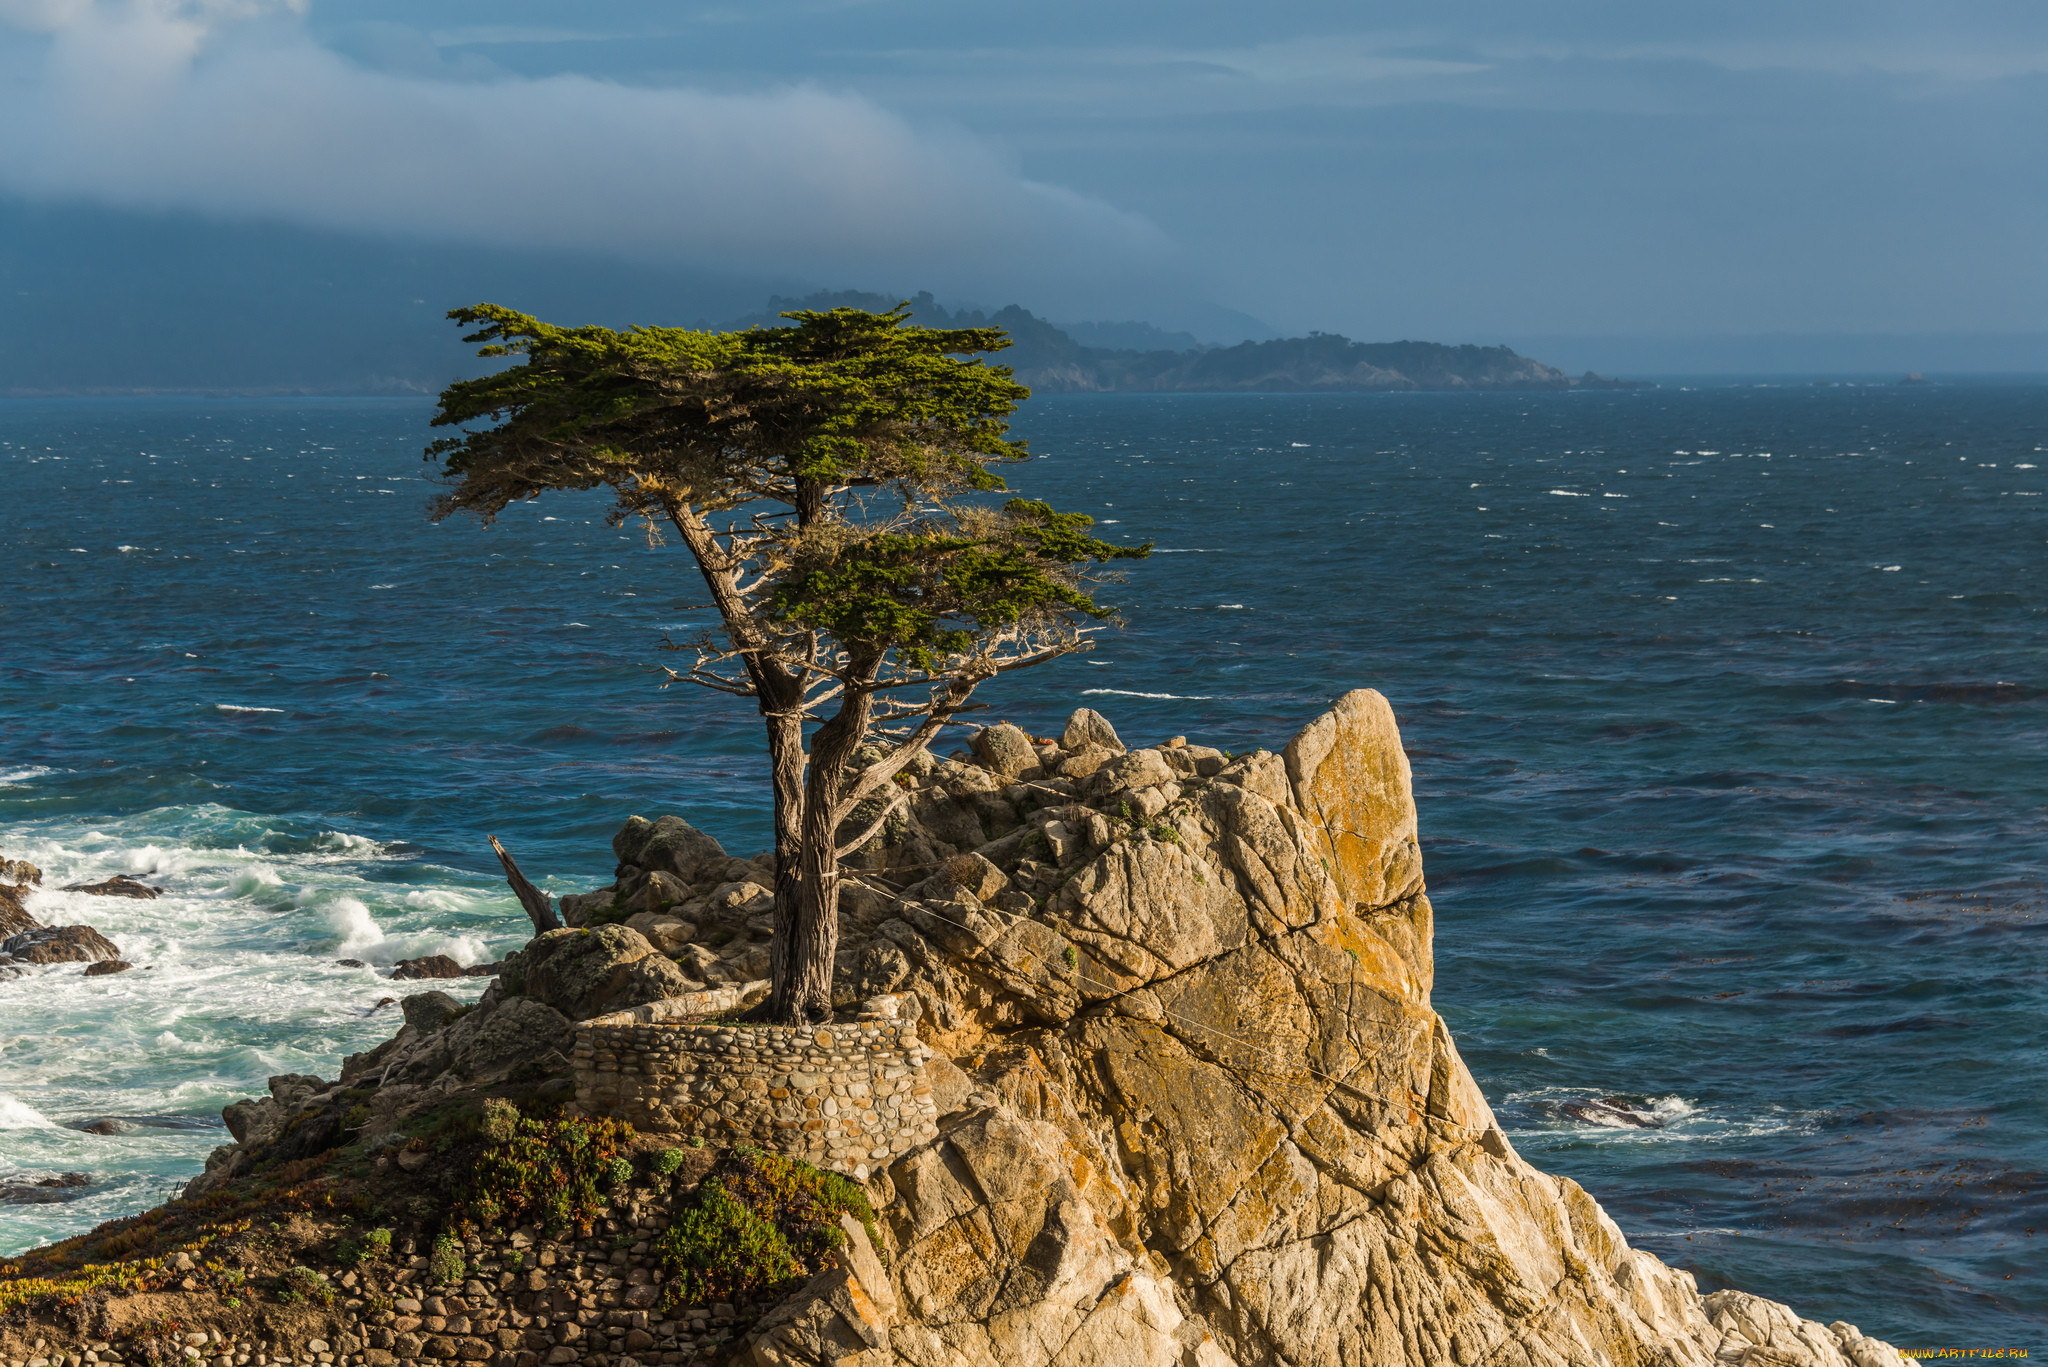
{"type": "Point", "coordinates": [1052, 362]}
{"type": "Point", "coordinates": [1142, 1043]}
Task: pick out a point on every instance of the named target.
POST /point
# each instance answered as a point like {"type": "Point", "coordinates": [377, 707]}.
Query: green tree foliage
{"type": "Point", "coordinates": [834, 481]}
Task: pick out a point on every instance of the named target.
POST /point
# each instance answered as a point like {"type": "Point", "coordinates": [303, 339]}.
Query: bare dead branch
{"type": "Point", "coordinates": [540, 908]}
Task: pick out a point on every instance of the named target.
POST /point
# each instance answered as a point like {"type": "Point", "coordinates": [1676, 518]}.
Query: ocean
{"type": "Point", "coordinates": [1727, 702]}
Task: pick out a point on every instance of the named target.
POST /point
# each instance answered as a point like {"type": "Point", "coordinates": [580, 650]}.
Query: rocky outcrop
{"type": "Point", "coordinates": [1197, 1106]}
{"type": "Point", "coordinates": [14, 917]}
{"type": "Point", "coordinates": [432, 966]}
{"type": "Point", "coordinates": [1193, 1105]}
{"type": "Point", "coordinates": [120, 885]}
{"type": "Point", "coordinates": [593, 972]}
{"type": "Point", "coordinates": [57, 945]}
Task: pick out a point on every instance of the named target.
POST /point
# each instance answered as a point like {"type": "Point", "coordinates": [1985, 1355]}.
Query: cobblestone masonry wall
{"type": "Point", "coordinates": [848, 1096]}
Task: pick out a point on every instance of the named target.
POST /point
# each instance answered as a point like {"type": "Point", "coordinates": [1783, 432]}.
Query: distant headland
{"type": "Point", "coordinates": [1053, 361]}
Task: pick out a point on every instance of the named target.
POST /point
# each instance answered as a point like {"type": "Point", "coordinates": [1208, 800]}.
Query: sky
{"type": "Point", "coordinates": [1452, 171]}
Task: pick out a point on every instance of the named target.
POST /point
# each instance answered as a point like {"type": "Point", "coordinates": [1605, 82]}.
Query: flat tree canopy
{"type": "Point", "coordinates": [834, 482]}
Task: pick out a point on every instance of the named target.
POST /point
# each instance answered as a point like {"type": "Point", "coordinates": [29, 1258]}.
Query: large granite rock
{"type": "Point", "coordinates": [593, 972]}
{"type": "Point", "coordinates": [1198, 1110]}
{"type": "Point", "coordinates": [671, 845]}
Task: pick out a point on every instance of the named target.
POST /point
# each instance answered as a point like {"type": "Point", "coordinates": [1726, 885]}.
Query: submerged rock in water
{"type": "Point", "coordinates": [120, 885]}
{"type": "Point", "coordinates": [432, 966]}
{"type": "Point", "coordinates": [65, 1186]}
{"type": "Point", "coordinates": [1610, 1111]}
{"type": "Point", "coordinates": [107, 966]}
{"type": "Point", "coordinates": [58, 945]}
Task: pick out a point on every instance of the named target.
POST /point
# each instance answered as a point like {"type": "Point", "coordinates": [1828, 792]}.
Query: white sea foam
{"type": "Point", "coordinates": [235, 982]}
{"type": "Point", "coordinates": [1163, 697]}
{"type": "Point", "coordinates": [236, 710]}
{"type": "Point", "coordinates": [15, 1115]}
{"type": "Point", "coordinates": [1567, 493]}
{"type": "Point", "coordinates": [24, 775]}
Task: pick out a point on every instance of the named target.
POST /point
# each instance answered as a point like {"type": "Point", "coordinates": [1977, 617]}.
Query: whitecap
{"type": "Point", "coordinates": [15, 1115]}
{"type": "Point", "coordinates": [1567, 493]}
{"type": "Point", "coordinates": [1187, 550]}
{"type": "Point", "coordinates": [1163, 697]}
{"type": "Point", "coordinates": [23, 775]}
{"type": "Point", "coordinates": [1886, 702]}
{"type": "Point", "coordinates": [356, 929]}
{"type": "Point", "coordinates": [1230, 607]}
{"type": "Point", "coordinates": [436, 899]}
{"type": "Point", "coordinates": [1886, 568]}
{"type": "Point", "coordinates": [236, 710]}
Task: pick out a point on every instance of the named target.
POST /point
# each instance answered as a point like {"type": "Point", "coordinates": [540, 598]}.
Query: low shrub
{"type": "Point", "coordinates": [445, 1265]}
{"type": "Point", "coordinates": [545, 1170]}
{"type": "Point", "coordinates": [667, 1161]}
{"type": "Point", "coordinates": [305, 1283]}
{"type": "Point", "coordinates": [760, 1223]}
{"type": "Point", "coordinates": [353, 1252]}
{"type": "Point", "coordinates": [501, 1120]}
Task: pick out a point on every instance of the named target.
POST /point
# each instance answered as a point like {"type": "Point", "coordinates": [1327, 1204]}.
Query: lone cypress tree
{"type": "Point", "coordinates": [833, 481]}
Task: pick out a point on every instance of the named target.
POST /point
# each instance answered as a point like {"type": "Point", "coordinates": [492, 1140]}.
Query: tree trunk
{"type": "Point", "coordinates": [805, 990]}
{"type": "Point", "coordinates": [780, 694]}
{"type": "Point", "coordinates": [786, 768]}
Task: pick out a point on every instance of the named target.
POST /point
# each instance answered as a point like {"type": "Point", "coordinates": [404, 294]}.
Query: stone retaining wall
{"type": "Point", "coordinates": [848, 1096]}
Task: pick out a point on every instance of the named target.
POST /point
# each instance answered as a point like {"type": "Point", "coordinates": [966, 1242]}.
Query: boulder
{"type": "Point", "coordinates": [44, 1191]}
{"type": "Point", "coordinates": [14, 917]}
{"type": "Point", "coordinates": [1130, 772]}
{"type": "Point", "coordinates": [735, 902]}
{"type": "Point", "coordinates": [120, 885]}
{"type": "Point", "coordinates": [1089, 729]}
{"type": "Point", "coordinates": [1350, 777]}
{"type": "Point", "coordinates": [107, 966]}
{"type": "Point", "coordinates": [671, 844]}
{"type": "Point", "coordinates": [20, 872]}
{"type": "Point", "coordinates": [516, 1034]}
{"type": "Point", "coordinates": [432, 966]}
{"type": "Point", "coordinates": [427, 1011]}
{"type": "Point", "coordinates": [1005, 749]}
{"type": "Point", "coordinates": [1084, 763]}
{"type": "Point", "coordinates": [668, 934]}
{"type": "Point", "coordinates": [658, 892]}
{"type": "Point", "coordinates": [592, 972]}
{"type": "Point", "coordinates": [58, 945]}
{"type": "Point", "coordinates": [576, 907]}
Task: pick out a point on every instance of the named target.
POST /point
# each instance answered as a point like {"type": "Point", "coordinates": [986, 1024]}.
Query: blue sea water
{"type": "Point", "coordinates": [1728, 707]}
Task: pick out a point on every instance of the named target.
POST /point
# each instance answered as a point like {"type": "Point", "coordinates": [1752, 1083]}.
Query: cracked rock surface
{"type": "Point", "coordinates": [1196, 1107]}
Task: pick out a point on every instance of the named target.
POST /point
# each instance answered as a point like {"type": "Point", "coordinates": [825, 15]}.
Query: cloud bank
{"type": "Point", "coordinates": [230, 108]}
